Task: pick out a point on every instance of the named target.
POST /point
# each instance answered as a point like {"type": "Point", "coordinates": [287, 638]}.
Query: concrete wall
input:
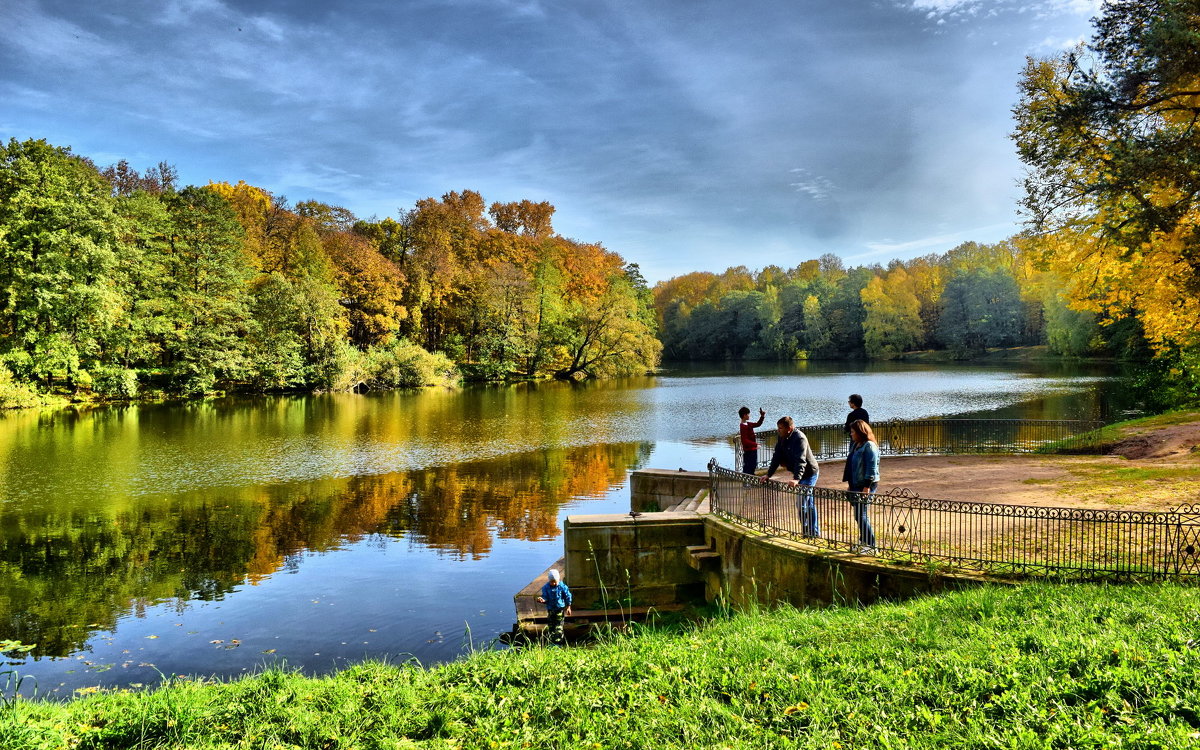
{"type": "Point", "coordinates": [753, 566]}
{"type": "Point", "coordinates": [656, 489]}
{"type": "Point", "coordinates": [645, 561]}
{"type": "Point", "coordinates": [642, 559]}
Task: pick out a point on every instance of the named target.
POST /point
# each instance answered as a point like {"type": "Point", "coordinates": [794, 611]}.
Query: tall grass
{"type": "Point", "coordinates": [1015, 667]}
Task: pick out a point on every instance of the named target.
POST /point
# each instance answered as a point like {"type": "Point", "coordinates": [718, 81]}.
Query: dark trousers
{"type": "Point", "coordinates": [749, 460]}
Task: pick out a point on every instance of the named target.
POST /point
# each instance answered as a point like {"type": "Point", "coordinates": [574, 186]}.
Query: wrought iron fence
{"type": "Point", "coordinates": [932, 437]}
{"type": "Point", "coordinates": [991, 538]}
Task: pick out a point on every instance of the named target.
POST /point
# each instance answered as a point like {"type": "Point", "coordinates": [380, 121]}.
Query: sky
{"type": "Point", "coordinates": [686, 135]}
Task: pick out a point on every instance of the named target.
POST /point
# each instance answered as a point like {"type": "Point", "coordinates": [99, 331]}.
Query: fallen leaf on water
{"type": "Point", "coordinates": [152, 636]}
{"type": "Point", "coordinates": [217, 641]}
{"type": "Point", "coordinates": [269, 651]}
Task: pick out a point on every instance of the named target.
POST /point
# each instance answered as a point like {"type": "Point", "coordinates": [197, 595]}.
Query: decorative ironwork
{"type": "Point", "coordinates": [994, 538]}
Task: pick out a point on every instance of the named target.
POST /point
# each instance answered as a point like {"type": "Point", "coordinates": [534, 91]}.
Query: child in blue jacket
{"type": "Point", "coordinates": [557, 598]}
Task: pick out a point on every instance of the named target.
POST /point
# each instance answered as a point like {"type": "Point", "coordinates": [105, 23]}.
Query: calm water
{"type": "Point", "coordinates": [213, 538]}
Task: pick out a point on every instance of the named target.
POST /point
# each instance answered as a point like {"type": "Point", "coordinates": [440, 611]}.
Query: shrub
{"type": "Point", "coordinates": [115, 382]}
{"type": "Point", "coordinates": [17, 395]}
{"type": "Point", "coordinates": [403, 364]}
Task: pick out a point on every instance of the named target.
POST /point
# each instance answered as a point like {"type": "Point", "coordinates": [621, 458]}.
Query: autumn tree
{"type": "Point", "coordinates": [607, 335]}
{"type": "Point", "coordinates": [892, 320]}
{"type": "Point", "coordinates": [1108, 133]}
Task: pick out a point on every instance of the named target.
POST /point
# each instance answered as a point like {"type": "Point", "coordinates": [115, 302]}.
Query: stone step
{"type": "Point", "coordinates": [695, 504]}
{"type": "Point", "coordinates": [702, 557]}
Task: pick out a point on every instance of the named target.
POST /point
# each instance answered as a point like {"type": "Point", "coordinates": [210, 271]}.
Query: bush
{"type": "Point", "coordinates": [343, 370]}
{"type": "Point", "coordinates": [115, 382]}
{"type": "Point", "coordinates": [403, 364]}
{"type": "Point", "coordinates": [16, 395]}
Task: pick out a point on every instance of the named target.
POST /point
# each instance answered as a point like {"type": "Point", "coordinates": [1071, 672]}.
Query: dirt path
{"type": "Point", "coordinates": [1155, 469]}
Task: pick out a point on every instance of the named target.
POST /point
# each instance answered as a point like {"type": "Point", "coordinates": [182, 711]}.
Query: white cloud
{"type": "Point", "coordinates": [817, 187]}
{"type": "Point", "coordinates": [967, 8]}
{"type": "Point", "coordinates": [1053, 45]}
{"type": "Point", "coordinates": [935, 243]}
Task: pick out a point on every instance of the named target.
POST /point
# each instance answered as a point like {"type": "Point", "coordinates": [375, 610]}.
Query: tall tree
{"type": "Point", "coordinates": [58, 235]}
{"type": "Point", "coordinates": [208, 274]}
{"type": "Point", "coordinates": [892, 321]}
{"type": "Point", "coordinates": [980, 308]}
{"type": "Point", "coordinates": [1109, 135]}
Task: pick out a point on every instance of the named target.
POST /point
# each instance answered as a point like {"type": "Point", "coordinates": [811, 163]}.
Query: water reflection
{"type": "Point", "coordinates": [289, 523]}
{"type": "Point", "coordinates": [66, 572]}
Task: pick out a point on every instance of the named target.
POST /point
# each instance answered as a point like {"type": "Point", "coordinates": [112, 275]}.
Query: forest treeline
{"type": "Point", "coordinates": [963, 301]}
{"type": "Point", "coordinates": [114, 281]}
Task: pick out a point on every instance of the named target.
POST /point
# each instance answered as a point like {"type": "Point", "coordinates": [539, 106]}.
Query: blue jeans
{"type": "Point", "coordinates": [809, 526]}
{"type": "Point", "coordinates": [749, 460]}
{"type": "Point", "coordinates": [866, 534]}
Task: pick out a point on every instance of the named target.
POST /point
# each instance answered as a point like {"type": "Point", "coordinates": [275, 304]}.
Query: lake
{"type": "Point", "coordinates": [214, 537]}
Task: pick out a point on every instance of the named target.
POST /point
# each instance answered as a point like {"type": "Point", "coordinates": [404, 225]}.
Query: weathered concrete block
{"type": "Point", "coordinates": [669, 530]}
{"type": "Point", "coordinates": [655, 489]}
{"type": "Point", "coordinates": [584, 537]}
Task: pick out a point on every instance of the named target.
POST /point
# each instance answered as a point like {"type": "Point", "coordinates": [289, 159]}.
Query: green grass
{"type": "Point", "coordinates": [1100, 440]}
{"type": "Point", "coordinates": [1013, 667]}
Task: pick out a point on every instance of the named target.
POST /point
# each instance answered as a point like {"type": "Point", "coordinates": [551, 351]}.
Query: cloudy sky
{"type": "Point", "coordinates": [684, 134]}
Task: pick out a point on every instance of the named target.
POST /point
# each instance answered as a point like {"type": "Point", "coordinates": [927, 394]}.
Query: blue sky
{"type": "Point", "coordinates": [683, 134]}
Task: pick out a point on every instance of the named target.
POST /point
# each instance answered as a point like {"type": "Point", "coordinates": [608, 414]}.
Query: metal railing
{"type": "Point", "coordinates": [991, 538]}
{"type": "Point", "coordinates": [933, 437]}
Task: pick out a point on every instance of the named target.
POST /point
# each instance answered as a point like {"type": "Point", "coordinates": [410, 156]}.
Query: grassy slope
{"type": "Point", "coordinates": [1027, 667]}
{"type": "Point", "coordinates": [1100, 440]}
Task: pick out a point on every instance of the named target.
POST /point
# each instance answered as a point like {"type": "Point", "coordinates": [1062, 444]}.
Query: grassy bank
{"type": "Point", "coordinates": [1027, 667]}
{"type": "Point", "coordinates": [995, 355]}
{"type": "Point", "coordinates": [1102, 440]}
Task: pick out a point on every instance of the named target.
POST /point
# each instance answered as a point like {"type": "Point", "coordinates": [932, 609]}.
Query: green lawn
{"type": "Point", "coordinates": [1015, 667]}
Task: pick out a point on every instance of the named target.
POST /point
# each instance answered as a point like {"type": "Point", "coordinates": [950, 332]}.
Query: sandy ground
{"type": "Point", "coordinates": [1156, 469]}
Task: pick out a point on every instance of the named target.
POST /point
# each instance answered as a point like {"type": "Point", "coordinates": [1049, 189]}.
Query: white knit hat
{"type": "Point", "coordinates": [555, 575]}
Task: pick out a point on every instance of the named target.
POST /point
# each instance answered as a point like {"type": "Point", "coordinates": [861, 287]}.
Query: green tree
{"type": "Point", "coordinates": [608, 336]}
{"type": "Point", "coordinates": [980, 308]}
{"type": "Point", "coordinates": [58, 237]}
{"type": "Point", "coordinates": [208, 274]}
{"type": "Point", "coordinates": [845, 313]}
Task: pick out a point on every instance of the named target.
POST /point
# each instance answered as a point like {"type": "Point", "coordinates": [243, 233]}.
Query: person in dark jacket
{"type": "Point", "coordinates": [856, 412]}
{"type": "Point", "coordinates": [793, 453]}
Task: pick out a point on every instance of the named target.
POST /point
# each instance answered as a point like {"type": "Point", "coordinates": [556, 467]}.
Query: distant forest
{"type": "Point", "coordinates": [964, 301]}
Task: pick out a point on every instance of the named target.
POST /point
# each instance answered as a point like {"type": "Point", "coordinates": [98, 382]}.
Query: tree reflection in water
{"type": "Point", "coordinates": [66, 573]}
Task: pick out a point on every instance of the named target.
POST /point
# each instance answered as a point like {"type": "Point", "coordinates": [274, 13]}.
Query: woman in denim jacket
{"type": "Point", "coordinates": [863, 473]}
